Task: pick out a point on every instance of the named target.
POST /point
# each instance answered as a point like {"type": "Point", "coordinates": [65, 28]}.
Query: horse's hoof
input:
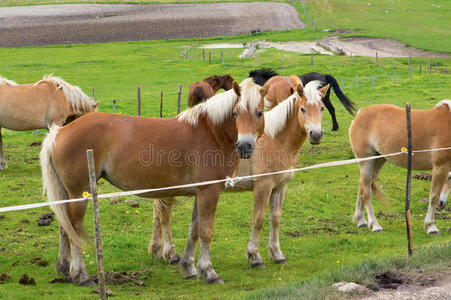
{"type": "Point", "coordinates": [281, 261]}
{"type": "Point", "coordinates": [378, 230]}
{"type": "Point", "coordinates": [216, 280]}
{"type": "Point", "coordinates": [335, 129]}
{"type": "Point", "coordinates": [89, 282]}
{"type": "Point", "coordinates": [192, 276]}
{"type": "Point", "coordinates": [258, 265]}
{"type": "Point", "coordinates": [362, 225]}
{"type": "Point", "coordinates": [175, 260]}
{"type": "Point", "coordinates": [441, 205]}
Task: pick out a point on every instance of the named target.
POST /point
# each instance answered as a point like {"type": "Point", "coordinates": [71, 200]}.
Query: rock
{"type": "Point", "coordinates": [348, 287]}
{"type": "Point", "coordinates": [115, 200]}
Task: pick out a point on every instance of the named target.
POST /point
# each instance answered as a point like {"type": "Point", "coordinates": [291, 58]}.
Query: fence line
{"type": "Point", "coordinates": [230, 181]}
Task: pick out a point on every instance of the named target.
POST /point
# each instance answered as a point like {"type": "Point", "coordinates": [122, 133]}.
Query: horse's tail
{"type": "Point", "coordinates": [197, 96]}
{"type": "Point", "coordinates": [53, 186]}
{"type": "Point", "coordinates": [348, 104]}
{"type": "Point", "coordinates": [379, 194]}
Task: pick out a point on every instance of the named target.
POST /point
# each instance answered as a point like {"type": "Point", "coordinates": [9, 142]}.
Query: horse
{"type": "Point", "coordinates": [199, 91]}
{"type": "Point", "coordinates": [262, 76]}
{"type": "Point", "coordinates": [287, 126]}
{"type": "Point", "coordinates": [380, 129]}
{"type": "Point", "coordinates": [36, 106]}
{"type": "Point", "coordinates": [131, 153]}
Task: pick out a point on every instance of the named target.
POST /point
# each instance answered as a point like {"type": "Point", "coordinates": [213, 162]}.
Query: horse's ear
{"type": "Point", "coordinates": [236, 89]}
{"type": "Point", "coordinates": [263, 92]}
{"type": "Point", "coordinates": [291, 90]}
{"type": "Point", "coordinates": [324, 89]}
{"type": "Point", "coordinates": [300, 89]}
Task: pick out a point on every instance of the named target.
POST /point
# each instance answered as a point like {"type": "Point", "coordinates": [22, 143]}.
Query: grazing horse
{"type": "Point", "coordinates": [381, 129]}
{"type": "Point", "coordinates": [262, 76]}
{"type": "Point", "coordinates": [133, 153]}
{"type": "Point", "coordinates": [202, 90]}
{"type": "Point", "coordinates": [287, 126]}
{"type": "Point", "coordinates": [35, 106]}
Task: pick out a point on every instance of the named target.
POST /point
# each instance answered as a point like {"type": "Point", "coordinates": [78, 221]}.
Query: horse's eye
{"type": "Point", "coordinates": [260, 114]}
{"type": "Point", "coordinates": [303, 110]}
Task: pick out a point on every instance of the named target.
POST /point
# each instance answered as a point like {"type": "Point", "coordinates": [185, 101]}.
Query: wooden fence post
{"type": "Point", "coordinates": [374, 81]}
{"type": "Point", "coordinates": [203, 54]}
{"type": "Point", "coordinates": [93, 95]}
{"type": "Point", "coordinates": [356, 82]}
{"type": "Point", "coordinates": [342, 84]}
{"type": "Point", "coordinates": [179, 98]}
{"type": "Point", "coordinates": [139, 101]}
{"type": "Point", "coordinates": [377, 60]}
{"type": "Point", "coordinates": [114, 106]}
{"type": "Point", "coordinates": [222, 57]}
{"type": "Point", "coordinates": [435, 62]}
{"type": "Point", "coordinates": [231, 57]}
{"type": "Point", "coordinates": [394, 76]}
{"type": "Point", "coordinates": [281, 61]}
{"type": "Point", "coordinates": [409, 179]}
{"type": "Point", "coordinates": [161, 104]}
{"type": "Point", "coordinates": [393, 60]}
{"type": "Point", "coordinates": [420, 69]}
{"type": "Point", "coordinates": [388, 78]}
{"type": "Point", "coordinates": [98, 236]}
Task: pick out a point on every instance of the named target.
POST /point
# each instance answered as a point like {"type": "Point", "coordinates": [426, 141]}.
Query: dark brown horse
{"type": "Point", "coordinates": [202, 90]}
{"type": "Point", "coordinates": [138, 153]}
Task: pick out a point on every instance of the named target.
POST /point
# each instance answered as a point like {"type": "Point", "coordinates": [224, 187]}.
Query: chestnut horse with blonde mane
{"type": "Point", "coordinates": [200, 91]}
{"type": "Point", "coordinates": [287, 126]}
{"type": "Point", "coordinates": [381, 129]}
{"type": "Point", "coordinates": [140, 153]}
{"type": "Point", "coordinates": [36, 106]}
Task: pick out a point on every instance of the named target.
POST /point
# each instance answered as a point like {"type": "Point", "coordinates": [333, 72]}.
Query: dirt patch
{"type": "Point", "coordinates": [46, 219]}
{"type": "Point", "coordinates": [27, 280]}
{"type": "Point", "coordinates": [100, 23]}
{"type": "Point", "coordinates": [423, 176]}
{"type": "Point", "coordinates": [130, 278]}
{"type": "Point", "coordinates": [418, 285]}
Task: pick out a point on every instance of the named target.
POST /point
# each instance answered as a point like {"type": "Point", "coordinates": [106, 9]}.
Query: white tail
{"type": "Point", "coordinates": [53, 187]}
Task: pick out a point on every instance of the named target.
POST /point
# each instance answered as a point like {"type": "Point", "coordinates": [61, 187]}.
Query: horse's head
{"type": "Point", "coordinates": [310, 110]}
{"type": "Point", "coordinates": [227, 82]}
{"type": "Point", "coordinates": [249, 116]}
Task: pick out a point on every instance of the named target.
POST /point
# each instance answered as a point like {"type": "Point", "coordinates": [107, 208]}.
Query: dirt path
{"type": "Point", "coordinates": [99, 23]}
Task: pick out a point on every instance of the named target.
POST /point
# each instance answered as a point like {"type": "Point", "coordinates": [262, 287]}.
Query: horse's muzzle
{"type": "Point", "coordinates": [245, 145]}
{"type": "Point", "coordinates": [315, 136]}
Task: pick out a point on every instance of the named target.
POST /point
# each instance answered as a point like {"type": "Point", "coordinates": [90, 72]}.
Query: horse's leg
{"type": "Point", "coordinates": [439, 175]}
{"type": "Point", "coordinates": [262, 192]}
{"type": "Point", "coordinates": [76, 212]}
{"type": "Point", "coordinates": [169, 253]}
{"type": "Point", "coordinates": [3, 164]}
{"type": "Point", "coordinates": [207, 201]}
{"type": "Point", "coordinates": [445, 192]}
{"type": "Point", "coordinates": [331, 109]}
{"type": "Point", "coordinates": [187, 261]}
{"type": "Point", "coordinates": [276, 202]}
{"type": "Point", "coordinates": [368, 171]}
{"type": "Point", "coordinates": [156, 241]}
{"type": "Point", "coordinates": [64, 258]}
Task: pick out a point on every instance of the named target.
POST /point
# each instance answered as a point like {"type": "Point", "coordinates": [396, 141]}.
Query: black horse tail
{"type": "Point", "coordinates": [260, 76]}
{"type": "Point", "coordinates": [348, 104]}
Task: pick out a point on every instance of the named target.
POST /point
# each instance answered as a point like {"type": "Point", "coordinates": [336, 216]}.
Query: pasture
{"type": "Point", "coordinates": [317, 234]}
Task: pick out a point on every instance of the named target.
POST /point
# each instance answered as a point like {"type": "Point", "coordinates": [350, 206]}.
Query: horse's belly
{"type": "Point", "coordinates": [420, 161]}
{"type": "Point", "coordinates": [20, 122]}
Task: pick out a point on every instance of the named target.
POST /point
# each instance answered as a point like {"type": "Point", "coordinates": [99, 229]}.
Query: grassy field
{"type": "Point", "coordinates": [317, 234]}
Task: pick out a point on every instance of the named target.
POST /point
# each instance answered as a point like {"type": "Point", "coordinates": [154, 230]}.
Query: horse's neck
{"type": "Point", "coordinates": [292, 136]}
{"type": "Point", "coordinates": [225, 134]}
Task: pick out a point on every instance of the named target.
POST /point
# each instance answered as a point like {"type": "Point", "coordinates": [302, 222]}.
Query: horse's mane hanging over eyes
{"type": "Point", "coordinates": [444, 102]}
{"type": "Point", "coordinates": [311, 92]}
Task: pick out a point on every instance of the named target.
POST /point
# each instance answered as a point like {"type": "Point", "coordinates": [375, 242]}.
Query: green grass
{"type": "Point", "coordinates": [317, 235]}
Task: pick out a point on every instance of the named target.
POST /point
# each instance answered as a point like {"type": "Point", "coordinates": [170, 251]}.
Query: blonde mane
{"type": "Point", "coordinates": [79, 101]}
{"type": "Point", "coordinates": [6, 81]}
{"type": "Point", "coordinates": [276, 119]}
{"type": "Point", "coordinates": [217, 108]}
{"type": "Point", "coordinates": [312, 93]}
{"type": "Point", "coordinates": [444, 102]}
{"type": "Point", "coordinates": [250, 95]}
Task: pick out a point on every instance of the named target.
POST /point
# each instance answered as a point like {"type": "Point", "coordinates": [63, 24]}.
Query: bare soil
{"type": "Point", "coordinates": [418, 285]}
{"type": "Point", "coordinates": [100, 23]}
